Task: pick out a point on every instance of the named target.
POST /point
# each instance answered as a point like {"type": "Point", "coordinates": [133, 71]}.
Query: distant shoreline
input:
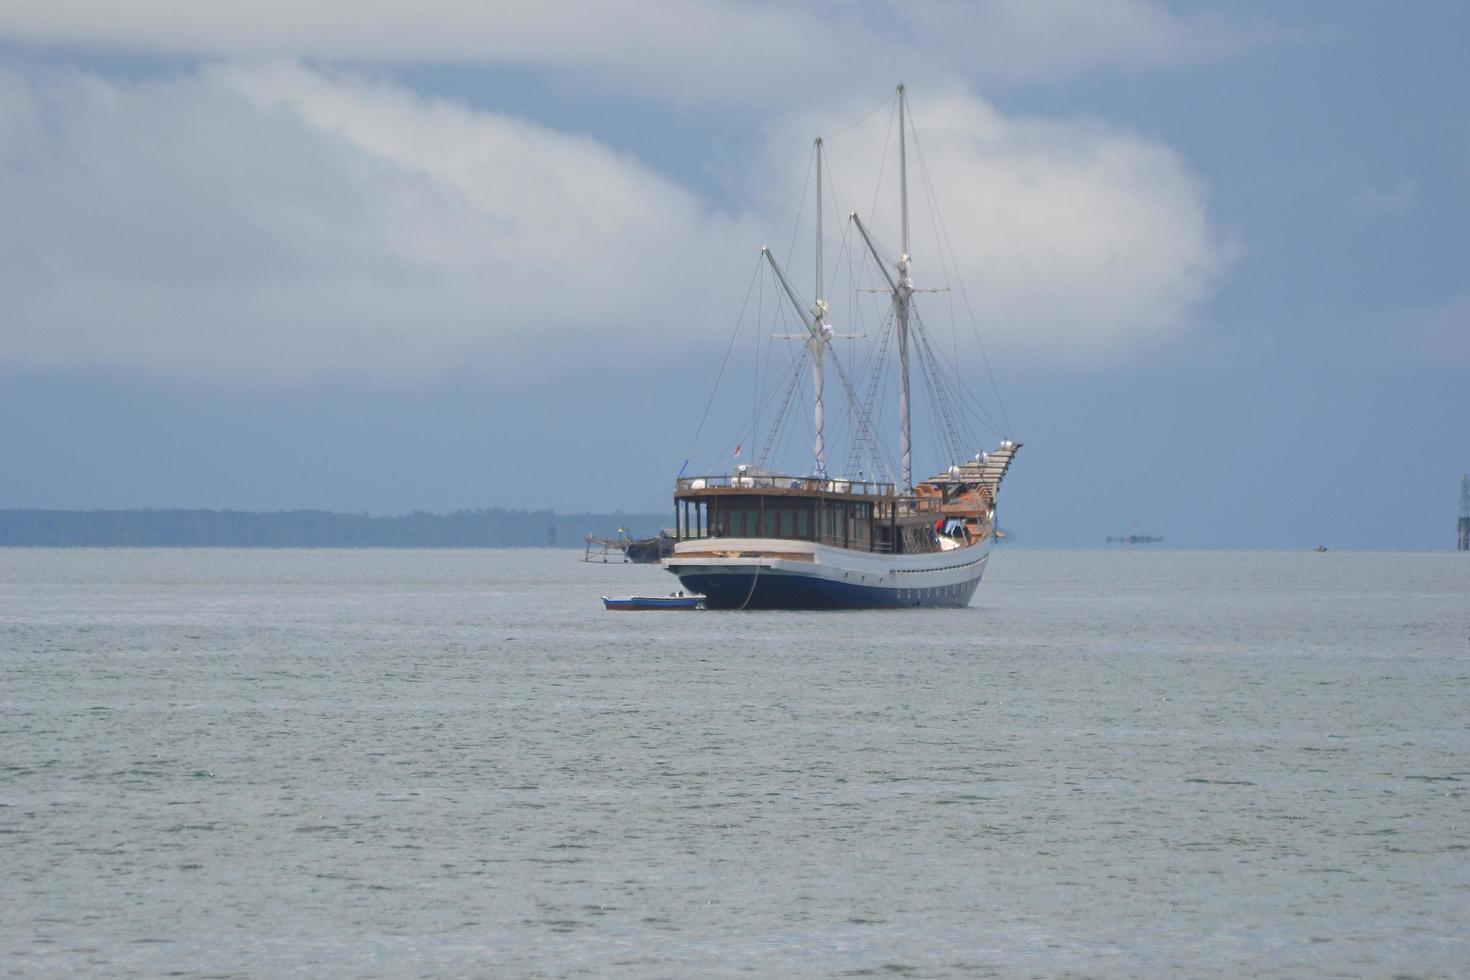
{"type": "Point", "coordinates": [484, 528]}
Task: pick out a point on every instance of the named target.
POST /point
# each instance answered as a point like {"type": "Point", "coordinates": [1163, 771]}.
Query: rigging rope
{"type": "Point", "coordinates": [949, 246]}
{"type": "Point", "coordinates": [749, 425]}
{"type": "Point", "coordinates": [863, 427]}
{"type": "Point", "coordinates": [801, 207]}
{"type": "Point", "coordinates": [855, 458]}
{"type": "Point", "coordinates": [765, 453]}
{"type": "Point", "coordinates": [755, 275]}
{"type": "Point", "coordinates": [939, 399]}
{"type": "Point", "coordinates": [963, 392]}
{"type": "Point", "coordinates": [866, 116]}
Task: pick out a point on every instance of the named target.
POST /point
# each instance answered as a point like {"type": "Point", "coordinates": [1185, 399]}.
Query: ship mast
{"type": "Point", "coordinates": [819, 331]}
{"type": "Point", "coordinates": [902, 292]}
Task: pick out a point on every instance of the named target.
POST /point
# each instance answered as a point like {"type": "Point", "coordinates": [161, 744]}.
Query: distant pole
{"type": "Point", "coordinates": [1464, 544]}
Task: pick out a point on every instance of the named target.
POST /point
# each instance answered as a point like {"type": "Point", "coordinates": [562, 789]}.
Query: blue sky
{"type": "Point", "coordinates": [457, 254]}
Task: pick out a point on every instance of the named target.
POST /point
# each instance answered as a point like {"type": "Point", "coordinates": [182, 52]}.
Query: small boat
{"type": "Point", "coordinates": [678, 601]}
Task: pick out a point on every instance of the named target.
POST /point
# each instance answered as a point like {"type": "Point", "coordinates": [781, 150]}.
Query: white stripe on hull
{"type": "Point", "coordinates": [930, 570]}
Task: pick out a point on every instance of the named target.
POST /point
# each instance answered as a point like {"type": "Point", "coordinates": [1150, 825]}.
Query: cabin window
{"type": "Point", "coordinates": [744, 521]}
{"type": "Point", "coordinates": [832, 522]}
{"type": "Point", "coordinates": [838, 522]}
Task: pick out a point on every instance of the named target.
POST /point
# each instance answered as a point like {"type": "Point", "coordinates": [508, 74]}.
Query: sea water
{"type": "Point", "coordinates": [432, 763]}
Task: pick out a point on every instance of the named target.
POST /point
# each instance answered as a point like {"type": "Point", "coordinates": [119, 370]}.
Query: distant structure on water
{"type": "Point", "coordinates": [1133, 536]}
{"type": "Point", "coordinates": [1464, 543]}
{"type": "Point", "coordinates": [643, 551]}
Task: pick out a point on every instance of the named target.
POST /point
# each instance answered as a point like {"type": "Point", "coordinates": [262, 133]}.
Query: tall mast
{"type": "Point", "coordinates": [903, 172]}
{"type": "Point", "coordinates": [903, 290]}
{"type": "Point", "coordinates": [817, 334]}
{"type": "Point", "coordinates": [818, 291]}
{"type": "Point", "coordinates": [818, 338]}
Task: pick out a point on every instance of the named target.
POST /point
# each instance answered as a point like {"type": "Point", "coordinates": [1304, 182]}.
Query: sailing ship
{"type": "Point", "coordinates": [757, 538]}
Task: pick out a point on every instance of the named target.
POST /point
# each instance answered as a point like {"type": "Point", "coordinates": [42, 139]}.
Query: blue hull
{"type": "Point", "coordinates": [779, 590]}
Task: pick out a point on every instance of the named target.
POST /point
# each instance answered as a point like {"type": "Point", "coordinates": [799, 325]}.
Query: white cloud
{"type": "Point", "coordinates": [1075, 241]}
{"type": "Point", "coordinates": [277, 222]}
{"type": "Point", "coordinates": [726, 51]}
{"type": "Point", "coordinates": [273, 222]}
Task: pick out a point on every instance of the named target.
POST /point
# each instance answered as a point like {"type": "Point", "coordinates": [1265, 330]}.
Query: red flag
{"type": "Point", "coordinates": [737, 450]}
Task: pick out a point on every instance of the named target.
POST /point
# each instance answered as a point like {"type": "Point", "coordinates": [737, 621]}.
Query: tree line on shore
{"type": "Point", "coordinates": [496, 527]}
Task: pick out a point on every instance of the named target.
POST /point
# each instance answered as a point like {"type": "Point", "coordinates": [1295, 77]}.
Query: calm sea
{"type": "Point", "coordinates": [416, 763]}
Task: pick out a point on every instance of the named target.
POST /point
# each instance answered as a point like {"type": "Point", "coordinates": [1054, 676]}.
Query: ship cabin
{"type": "Point", "coordinates": [858, 515]}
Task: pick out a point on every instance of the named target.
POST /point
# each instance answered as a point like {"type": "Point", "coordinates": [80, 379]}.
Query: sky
{"type": "Point", "coordinates": [456, 254]}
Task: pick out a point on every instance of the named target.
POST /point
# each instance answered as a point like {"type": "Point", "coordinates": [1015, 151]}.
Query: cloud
{"type": "Point", "coordinates": [685, 51]}
{"type": "Point", "coordinates": [1075, 242]}
{"type": "Point", "coordinates": [273, 222]}
{"type": "Point", "coordinates": [281, 223]}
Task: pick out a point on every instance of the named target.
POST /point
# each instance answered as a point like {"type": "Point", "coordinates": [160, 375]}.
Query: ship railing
{"type": "Point", "coordinates": [914, 506]}
{"type": "Point", "coordinates": [774, 482]}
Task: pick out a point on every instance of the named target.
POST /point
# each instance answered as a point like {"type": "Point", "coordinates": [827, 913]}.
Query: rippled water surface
{"type": "Point", "coordinates": [331, 763]}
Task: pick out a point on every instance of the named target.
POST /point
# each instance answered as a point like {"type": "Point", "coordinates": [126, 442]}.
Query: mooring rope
{"type": "Point", "coordinates": [753, 579]}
